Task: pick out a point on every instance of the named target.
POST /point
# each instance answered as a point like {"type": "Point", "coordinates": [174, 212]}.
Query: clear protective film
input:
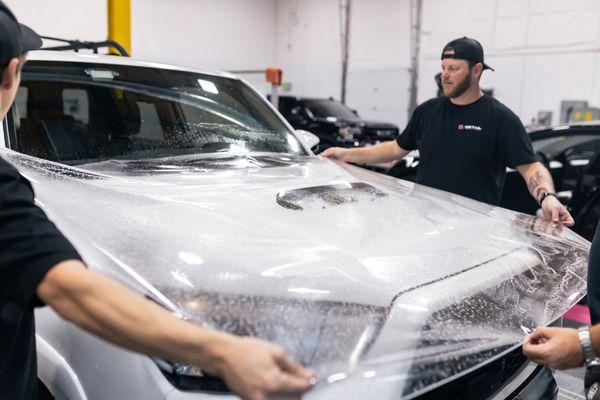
{"type": "Point", "coordinates": [380, 285]}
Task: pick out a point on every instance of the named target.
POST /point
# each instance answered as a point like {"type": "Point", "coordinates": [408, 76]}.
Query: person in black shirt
{"type": "Point", "coordinates": [39, 266]}
{"type": "Point", "coordinates": [466, 139]}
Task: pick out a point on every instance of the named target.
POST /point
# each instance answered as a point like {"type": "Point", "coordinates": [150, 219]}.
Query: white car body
{"type": "Point", "coordinates": [365, 278]}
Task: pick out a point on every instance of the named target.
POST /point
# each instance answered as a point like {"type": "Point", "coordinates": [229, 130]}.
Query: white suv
{"type": "Point", "coordinates": [190, 188]}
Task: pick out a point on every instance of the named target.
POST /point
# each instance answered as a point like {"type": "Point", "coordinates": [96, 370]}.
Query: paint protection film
{"type": "Point", "coordinates": [385, 288]}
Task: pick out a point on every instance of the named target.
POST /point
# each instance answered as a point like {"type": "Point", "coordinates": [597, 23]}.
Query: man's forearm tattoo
{"type": "Point", "coordinates": [538, 182]}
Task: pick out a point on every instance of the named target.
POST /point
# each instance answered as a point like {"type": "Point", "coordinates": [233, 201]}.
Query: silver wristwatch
{"type": "Point", "coordinates": [586, 344]}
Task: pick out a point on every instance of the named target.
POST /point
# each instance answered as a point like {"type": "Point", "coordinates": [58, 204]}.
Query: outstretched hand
{"type": "Point", "coordinates": [557, 348]}
{"type": "Point", "coordinates": [339, 153]}
{"type": "Point", "coordinates": [555, 212]}
{"type": "Point", "coordinates": [256, 370]}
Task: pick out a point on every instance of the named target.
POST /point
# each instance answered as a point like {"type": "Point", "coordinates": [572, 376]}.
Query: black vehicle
{"type": "Point", "coordinates": [333, 122]}
{"type": "Point", "coordinates": [567, 152]}
{"type": "Point", "coordinates": [586, 200]}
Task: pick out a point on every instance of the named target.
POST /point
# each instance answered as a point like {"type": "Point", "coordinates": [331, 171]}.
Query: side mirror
{"type": "Point", "coordinates": [309, 139]}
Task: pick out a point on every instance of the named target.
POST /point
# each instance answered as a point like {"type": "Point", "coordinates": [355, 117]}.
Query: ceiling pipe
{"type": "Point", "coordinates": [416, 7]}
{"type": "Point", "coordinates": [345, 13]}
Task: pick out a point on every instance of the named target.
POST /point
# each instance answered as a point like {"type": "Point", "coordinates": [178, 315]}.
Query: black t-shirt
{"type": "Point", "coordinates": [466, 149]}
{"type": "Point", "coordinates": [593, 289]}
{"type": "Point", "coordinates": [29, 246]}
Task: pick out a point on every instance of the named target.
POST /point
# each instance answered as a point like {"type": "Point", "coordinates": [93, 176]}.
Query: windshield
{"type": "Point", "coordinates": [554, 146]}
{"type": "Point", "coordinates": [79, 113]}
{"type": "Point", "coordinates": [330, 108]}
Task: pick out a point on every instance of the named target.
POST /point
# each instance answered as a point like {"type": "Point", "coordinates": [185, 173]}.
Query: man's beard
{"type": "Point", "coordinates": [462, 87]}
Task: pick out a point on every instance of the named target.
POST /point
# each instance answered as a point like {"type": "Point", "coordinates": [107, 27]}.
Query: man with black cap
{"type": "Point", "coordinates": [466, 139]}
{"type": "Point", "coordinates": [39, 266]}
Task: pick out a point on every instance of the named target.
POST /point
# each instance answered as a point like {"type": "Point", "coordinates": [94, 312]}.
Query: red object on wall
{"type": "Point", "coordinates": [274, 75]}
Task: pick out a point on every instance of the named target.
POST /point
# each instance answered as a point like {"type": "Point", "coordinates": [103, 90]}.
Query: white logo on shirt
{"type": "Point", "coordinates": [469, 127]}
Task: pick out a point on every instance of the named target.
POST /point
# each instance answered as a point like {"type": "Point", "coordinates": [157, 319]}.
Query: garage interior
{"type": "Point", "coordinates": [376, 59]}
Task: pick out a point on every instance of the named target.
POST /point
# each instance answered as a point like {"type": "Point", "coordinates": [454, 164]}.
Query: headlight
{"type": "Point", "coordinates": [190, 378]}
{"type": "Point", "coordinates": [349, 133]}
{"type": "Point", "coordinates": [345, 133]}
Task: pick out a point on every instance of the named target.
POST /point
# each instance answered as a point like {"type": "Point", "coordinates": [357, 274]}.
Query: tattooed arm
{"type": "Point", "coordinates": [538, 181]}
{"type": "Point", "coordinates": [537, 177]}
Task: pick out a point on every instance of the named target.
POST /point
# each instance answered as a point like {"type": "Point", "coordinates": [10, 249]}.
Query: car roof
{"type": "Point", "coordinates": [566, 129]}
{"type": "Point", "coordinates": [571, 125]}
{"type": "Point", "coordinates": [300, 98]}
{"type": "Point", "coordinates": [62, 56]}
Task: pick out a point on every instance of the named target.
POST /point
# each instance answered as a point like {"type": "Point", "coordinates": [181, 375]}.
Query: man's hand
{"type": "Point", "coordinates": [256, 370]}
{"type": "Point", "coordinates": [339, 153]}
{"type": "Point", "coordinates": [555, 212]}
{"type": "Point", "coordinates": [378, 154]}
{"type": "Point", "coordinates": [538, 180]}
{"type": "Point", "coordinates": [557, 348]}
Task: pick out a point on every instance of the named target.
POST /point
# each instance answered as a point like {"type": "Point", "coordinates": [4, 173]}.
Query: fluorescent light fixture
{"type": "Point", "coordinates": [369, 374]}
{"type": "Point", "coordinates": [411, 307]}
{"type": "Point", "coordinates": [208, 86]}
{"type": "Point", "coordinates": [101, 74]}
{"type": "Point", "coordinates": [336, 377]}
{"type": "Point", "coordinates": [190, 258]}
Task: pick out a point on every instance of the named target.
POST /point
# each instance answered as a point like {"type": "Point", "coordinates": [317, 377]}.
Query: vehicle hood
{"type": "Point", "coordinates": [374, 282]}
{"type": "Point", "coordinates": [379, 125]}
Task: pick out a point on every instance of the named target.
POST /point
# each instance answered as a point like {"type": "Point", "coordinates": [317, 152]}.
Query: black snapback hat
{"type": "Point", "coordinates": [15, 38]}
{"type": "Point", "coordinates": [465, 49]}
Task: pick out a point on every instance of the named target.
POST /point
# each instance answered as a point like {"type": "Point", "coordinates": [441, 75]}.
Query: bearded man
{"type": "Point", "coordinates": [466, 139]}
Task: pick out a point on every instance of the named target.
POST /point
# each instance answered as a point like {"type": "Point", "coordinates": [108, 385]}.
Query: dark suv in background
{"type": "Point", "coordinates": [333, 122]}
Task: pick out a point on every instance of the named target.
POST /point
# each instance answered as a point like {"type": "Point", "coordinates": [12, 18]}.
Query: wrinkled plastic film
{"type": "Point", "coordinates": [375, 283]}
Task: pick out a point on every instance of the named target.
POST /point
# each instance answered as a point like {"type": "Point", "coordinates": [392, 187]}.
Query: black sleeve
{"type": "Point", "coordinates": [593, 288]}
{"type": "Point", "coordinates": [408, 138]}
{"type": "Point", "coordinates": [30, 244]}
{"type": "Point", "coordinates": [515, 144]}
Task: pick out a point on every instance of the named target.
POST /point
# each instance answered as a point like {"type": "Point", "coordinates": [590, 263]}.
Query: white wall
{"type": "Point", "coordinates": [203, 34]}
{"type": "Point", "coordinates": [206, 34]}
{"type": "Point", "coordinates": [379, 60]}
{"type": "Point", "coordinates": [308, 49]}
{"type": "Point", "coordinates": [68, 19]}
{"type": "Point", "coordinates": [307, 46]}
{"type": "Point", "coordinates": [543, 51]}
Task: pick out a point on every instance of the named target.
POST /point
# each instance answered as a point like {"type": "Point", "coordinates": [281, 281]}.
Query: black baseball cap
{"type": "Point", "coordinates": [465, 49]}
{"type": "Point", "coordinates": [15, 38]}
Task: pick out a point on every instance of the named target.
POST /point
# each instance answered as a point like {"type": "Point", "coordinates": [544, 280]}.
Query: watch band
{"type": "Point", "coordinates": [586, 344]}
{"type": "Point", "coordinates": [543, 196]}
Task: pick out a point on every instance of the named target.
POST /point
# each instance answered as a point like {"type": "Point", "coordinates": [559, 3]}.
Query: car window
{"type": "Point", "coordinates": [555, 146]}
{"type": "Point", "coordinates": [330, 108]}
{"type": "Point", "coordinates": [583, 151]}
{"type": "Point", "coordinates": [76, 104]}
{"type": "Point", "coordinates": [79, 114]}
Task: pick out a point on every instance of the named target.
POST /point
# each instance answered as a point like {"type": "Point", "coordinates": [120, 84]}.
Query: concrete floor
{"type": "Point", "coordinates": [570, 384]}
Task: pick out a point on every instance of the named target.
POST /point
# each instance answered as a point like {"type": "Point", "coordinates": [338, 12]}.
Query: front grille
{"type": "Point", "coordinates": [482, 383]}
{"type": "Point", "coordinates": [512, 363]}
